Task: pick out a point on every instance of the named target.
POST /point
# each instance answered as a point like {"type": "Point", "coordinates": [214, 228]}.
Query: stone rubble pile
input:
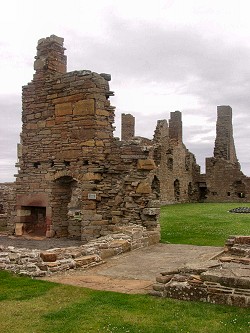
{"type": "Point", "coordinates": [223, 280]}
{"type": "Point", "coordinates": [37, 263]}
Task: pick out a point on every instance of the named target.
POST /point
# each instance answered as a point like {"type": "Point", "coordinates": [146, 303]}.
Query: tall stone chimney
{"type": "Point", "coordinates": [175, 126]}
{"type": "Point", "coordinates": [224, 142]}
{"type": "Point", "coordinates": [50, 58]}
{"type": "Point", "coordinates": [127, 126]}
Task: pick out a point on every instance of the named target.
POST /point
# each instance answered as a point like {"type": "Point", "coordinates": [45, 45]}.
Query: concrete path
{"type": "Point", "coordinates": [135, 272]}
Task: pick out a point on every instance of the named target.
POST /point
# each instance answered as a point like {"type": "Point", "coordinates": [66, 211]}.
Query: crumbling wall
{"type": "Point", "coordinates": [224, 180]}
{"type": "Point", "coordinates": [75, 179]}
{"type": "Point", "coordinates": [221, 280]}
{"type": "Point", "coordinates": [178, 170]}
{"type": "Point", "coordinates": [127, 126]}
{"type": "Point", "coordinates": [7, 203]}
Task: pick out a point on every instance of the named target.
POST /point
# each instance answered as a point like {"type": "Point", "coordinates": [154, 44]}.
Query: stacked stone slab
{"type": "Point", "coordinates": [127, 126]}
{"type": "Point", "coordinates": [222, 280]}
{"type": "Point", "coordinates": [76, 179]}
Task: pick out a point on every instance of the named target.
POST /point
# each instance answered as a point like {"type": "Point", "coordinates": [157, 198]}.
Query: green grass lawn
{"type": "Point", "coordinates": [33, 306]}
{"type": "Point", "coordinates": [202, 223]}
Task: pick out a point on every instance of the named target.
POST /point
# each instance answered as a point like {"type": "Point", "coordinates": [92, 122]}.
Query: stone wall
{"type": "Point", "coordinates": [177, 168]}
{"type": "Point", "coordinates": [7, 203]}
{"type": "Point", "coordinates": [224, 142]}
{"type": "Point", "coordinates": [127, 126]}
{"type": "Point", "coordinates": [224, 180]}
{"type": "Point", "coordinates": [222, 280]}
{"type": "Point", "coordinates": [75, 179]}
{"type": "Point", "coordinates": [37, 263]}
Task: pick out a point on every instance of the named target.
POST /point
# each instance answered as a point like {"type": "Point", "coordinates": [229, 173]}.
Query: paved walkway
{"type": "Point", "coordinates": [135, 272]}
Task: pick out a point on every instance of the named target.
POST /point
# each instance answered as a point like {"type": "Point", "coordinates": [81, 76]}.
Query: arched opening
{"type": "Point", "coordinates": [156, 187]}
{"type": "Point", "coordinates": [61, 198]}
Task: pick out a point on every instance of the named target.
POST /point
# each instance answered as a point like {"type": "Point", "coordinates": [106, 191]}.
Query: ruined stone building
{"type": "Point", "coordinates": [177, 170]}
{"type": "Point", "coordinates": [224, 178]}
{"type": "Point", "coordinates": [76, 180]}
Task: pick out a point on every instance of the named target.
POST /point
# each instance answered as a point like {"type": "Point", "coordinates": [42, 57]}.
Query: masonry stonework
{"type": "Point", "coordinates": [127, 127]}
{"type": "Point", "coordinates": [7, 203]}
{"type": "Point", "coordinates": [224, 178]}
{"type": "Point", "coordinates": [75, 179]}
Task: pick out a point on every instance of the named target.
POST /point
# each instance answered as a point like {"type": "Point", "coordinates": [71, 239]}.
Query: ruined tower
{"type": "Point", "coordinates": [175, 126]}
{"type": "Point", "coordinates": [127, 126]}
{"type": "Point", "coordinates": [224, 142]}
{"type": "Point", "coordinates": [224, 180]}
{"type": "Point", "coordinates": [75, 179]}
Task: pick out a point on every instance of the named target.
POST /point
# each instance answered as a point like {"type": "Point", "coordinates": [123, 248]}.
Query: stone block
{"type": "Point", "coordinates": [19, 229]}
{"type": "Point", "coordinates": [158, 287]}
{"type": "Point", "coordinates": [63, 109]}
{"type": "Point", "coordinates": [106, 253]}
{"type": "Point", "coordinates": [89, 143]}
{"type": "Point", "coordinates": [146, 164]}
{"type": "Point", "coordinates": [86, 260]}
{"type": "Point", "coordinates": [48, 257]}
{"type": "Point", "coordinates": [84, 107]}
{"type": "Point", "coordinates": [102, 113]}
{"type": "Point", "coordinates": [23, 212]}
{"type": "Point", "coordinates": [91, 176]}
{"type": "Point", "coordinates": [144, 188]}
{"type": "Point", "coordinates": [125, 245]}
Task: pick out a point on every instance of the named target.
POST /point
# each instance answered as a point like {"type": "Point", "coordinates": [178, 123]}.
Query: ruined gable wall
{"type": "Point", "coordinates": [71, 166]}
{"type": "Point", "coordinates": [178, 170]}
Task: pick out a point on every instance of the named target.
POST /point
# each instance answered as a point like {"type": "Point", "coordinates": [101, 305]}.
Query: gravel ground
{"type": "Point", "coordinates": [40, 243]}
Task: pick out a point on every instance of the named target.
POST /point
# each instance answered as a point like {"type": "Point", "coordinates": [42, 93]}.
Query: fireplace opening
{"type": "Point", "coordinates": [34, 220]}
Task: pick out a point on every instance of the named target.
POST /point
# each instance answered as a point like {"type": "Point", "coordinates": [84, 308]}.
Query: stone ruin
{"type": "Point", "coordinates": [224, 279]}
{"type": "Point", "coordinates": [224, 179]}
{"type": "Point", "coordinates": [77, 180]}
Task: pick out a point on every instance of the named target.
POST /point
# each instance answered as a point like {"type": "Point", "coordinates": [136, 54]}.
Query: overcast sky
{"type": "Point", "coordinates": [187, 55]}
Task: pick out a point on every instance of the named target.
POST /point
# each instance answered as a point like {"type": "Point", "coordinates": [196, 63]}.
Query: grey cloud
{"type": "Point", "coordinates": [138, 53]}
{"type": "Point", "coordinates": [10, 127]}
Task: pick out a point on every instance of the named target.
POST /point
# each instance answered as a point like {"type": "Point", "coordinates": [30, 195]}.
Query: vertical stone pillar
{"type": "Point", "coordinates": [127, 126]}
{"type": "Point", "coordinates": [224, 142]}
{"type": "Point", "coordinates": [175, 126]}
{"type": "Point", "coordinates": [50, 58]}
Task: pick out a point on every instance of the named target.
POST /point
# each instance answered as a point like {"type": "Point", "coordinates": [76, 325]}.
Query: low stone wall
{"type": "Point", "coordinates": [224, 280]}
{"type": "Point", "coordinates": [37, 263]}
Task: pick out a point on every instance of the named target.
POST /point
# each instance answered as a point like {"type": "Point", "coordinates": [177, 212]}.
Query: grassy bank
{"type": "Point", "coordinates": [202, 224]}
{"type": "Point", "coordinates": [42, 307]}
